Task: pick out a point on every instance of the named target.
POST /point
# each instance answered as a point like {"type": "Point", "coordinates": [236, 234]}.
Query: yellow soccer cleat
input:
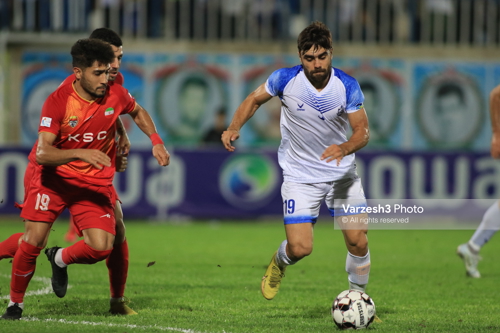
{"type": "Point", "coordinates": [272, 279]}
{"type": "Point", "coordinates": [120, 307]}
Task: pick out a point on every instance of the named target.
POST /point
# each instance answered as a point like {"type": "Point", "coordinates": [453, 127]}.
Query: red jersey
{"type": "Point", "coordinates": [82, 124]}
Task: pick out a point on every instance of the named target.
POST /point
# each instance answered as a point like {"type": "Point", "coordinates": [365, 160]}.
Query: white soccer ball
{"type": "Point", "coordinates": [353, 309]}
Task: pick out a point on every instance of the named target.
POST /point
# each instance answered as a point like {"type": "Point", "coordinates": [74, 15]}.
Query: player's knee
{"type": "Point", "coordinates": [94, 256]}
{"type": "Point", "coordinates": [299, 251]}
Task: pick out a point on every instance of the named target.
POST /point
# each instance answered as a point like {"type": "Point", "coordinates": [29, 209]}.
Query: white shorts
{"type": "Point", "coordinates": [301, 202]}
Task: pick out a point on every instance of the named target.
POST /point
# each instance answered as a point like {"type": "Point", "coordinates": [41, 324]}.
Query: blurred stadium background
{"type": "Point", "coordinates": [426, 68]}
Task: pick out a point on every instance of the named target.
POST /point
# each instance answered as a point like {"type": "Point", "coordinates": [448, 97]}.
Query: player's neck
{"type": "Point", "coordinates": [82, 92]}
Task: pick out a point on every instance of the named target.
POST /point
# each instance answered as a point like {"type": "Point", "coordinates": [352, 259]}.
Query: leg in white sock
{"type": "Point", "coordinates": [488, 227]}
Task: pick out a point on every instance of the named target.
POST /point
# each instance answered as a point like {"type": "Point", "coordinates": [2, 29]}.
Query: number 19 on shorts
{"type": "Point", "coordinates": [289, 206]}
{"type": "Point", "coordinates": [42, 202]}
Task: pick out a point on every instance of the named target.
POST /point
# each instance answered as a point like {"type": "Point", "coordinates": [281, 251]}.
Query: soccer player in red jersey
{"type": "Point", "coordinates": [115, 77]}
{"type": "Point", "coordinates": [72, 166]}
{"type": "Point", "coordinates": [117, 262]}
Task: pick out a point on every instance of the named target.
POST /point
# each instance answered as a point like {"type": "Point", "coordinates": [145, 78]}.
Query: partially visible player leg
{"type": "Point", "coordinates": [24, 265]}
{"type": "Point", "coordinates": [117, 264]}
{"type": "Point", "coordinates": [96, 246]}
{"type": "Point", "coordinates": [9, 246]}
{"type": "Point", "coordinates": [301, 209]}
{"type": "Point", "coordinates": [297, 245]}
{"type": "Point", "coordinates": [71, 235]}
{"type": "Point", "coordinates": [358, 255]}
{"type": "Point", "coordinates": [469, 251]}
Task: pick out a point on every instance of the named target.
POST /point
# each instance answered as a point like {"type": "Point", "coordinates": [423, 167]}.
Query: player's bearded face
{"type": "Point", "coordinates": [115, 65]}
{"type": "Point", "coordinates": [317, 65]}
{"type": "Point", "coordinates": [94, 80]}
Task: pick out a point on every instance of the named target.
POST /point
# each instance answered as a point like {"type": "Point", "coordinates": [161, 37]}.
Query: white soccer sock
{"type": "Point", "coordinates": [358, 270]}
{"type": "Point", "coordinates": [21, 305]}
{"type": "Point", "coordinates": [58, 259]}
{"type": "Point", "coordinates": [488, 227]}
{"type": "Point", "coordinates": [281, 258]}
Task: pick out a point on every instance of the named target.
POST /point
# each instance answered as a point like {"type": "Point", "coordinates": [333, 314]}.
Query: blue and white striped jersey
{"type": "Point", "coordinates": [312, 120]}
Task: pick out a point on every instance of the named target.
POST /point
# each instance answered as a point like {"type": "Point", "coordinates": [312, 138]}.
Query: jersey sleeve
{"type": "Point", "coordinates": [354, 95]}
{"type": "Point", "coordinates": [53, 112]}
{"type": "Point", "coordinates": [128, 101]}
{"type": "Point", "coordinates": [277, 81]}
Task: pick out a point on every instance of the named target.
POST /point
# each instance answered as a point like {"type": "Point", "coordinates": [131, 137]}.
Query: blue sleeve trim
{"type": "Point", "coordinates": [278, 80]}
{"type": "Point", "coordinates": [354, 95]}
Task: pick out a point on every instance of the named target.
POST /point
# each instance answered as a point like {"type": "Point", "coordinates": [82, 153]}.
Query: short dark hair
{"type": "Point", "coordinates": [316, 34]}
{"type": "Point", "coordinates": [107, 35]}
{"type": "Point", "coordinates": [86, 51]}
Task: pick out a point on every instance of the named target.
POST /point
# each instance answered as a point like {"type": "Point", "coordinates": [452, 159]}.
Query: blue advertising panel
{"type": "Point", "coordinates": [218, 184]}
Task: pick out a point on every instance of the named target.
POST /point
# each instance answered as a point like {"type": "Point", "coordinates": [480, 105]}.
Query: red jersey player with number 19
{"type": "Point", "coordinates": [72, 166]}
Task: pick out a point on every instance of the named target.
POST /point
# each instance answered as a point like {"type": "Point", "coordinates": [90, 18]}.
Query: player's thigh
{"type": "Point", "coordinates": [43, 200]}
{"type": "Point", "coordinates": [36, 233]}
{"type": "Point", "coordinates": [98, 239]}
{"type": "Point", "coordinates": [94, 208]}
{"type": "Point", "coordinates": [346, 197]}
{"type": "Point", "coordinates": [301, 202]}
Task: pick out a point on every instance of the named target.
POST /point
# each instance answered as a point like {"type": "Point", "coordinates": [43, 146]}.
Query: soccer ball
{"type": "Point", "coordinates": [353, 309]}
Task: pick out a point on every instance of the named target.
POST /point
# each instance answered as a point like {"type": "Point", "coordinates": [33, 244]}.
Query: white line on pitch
{"type": "Point", "coordinates": [130, 326]}
{"type": "Point", "coordinates": [43, 291]}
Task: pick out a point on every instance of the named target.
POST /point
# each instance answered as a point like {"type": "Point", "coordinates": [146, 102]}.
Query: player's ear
{"type": "Point", "coordinates": [78, 72]}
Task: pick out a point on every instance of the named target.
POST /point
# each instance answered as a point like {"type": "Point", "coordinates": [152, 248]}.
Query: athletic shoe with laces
{"type": "Point", "coordinates": [272, 279]}
{"type": "Point", "coordinates": [470, 260]}
{"type": "Point", "coordinates": [13, 312]}
{"type": "Point", "coordinates": [59, 277]}
{"type": "Point", "coordinates": [120, 307]}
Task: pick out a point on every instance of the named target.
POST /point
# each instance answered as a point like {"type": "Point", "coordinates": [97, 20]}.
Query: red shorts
{"type": "Point", "coordinates": [47, 195]}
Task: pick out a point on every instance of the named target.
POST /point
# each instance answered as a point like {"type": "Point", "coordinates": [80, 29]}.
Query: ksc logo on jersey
{"type": "Point", "coordinates": [248, 180]}
{"type": "Point", "coordinates": [73, 121]}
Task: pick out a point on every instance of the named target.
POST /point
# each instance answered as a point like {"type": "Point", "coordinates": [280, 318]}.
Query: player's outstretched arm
{"type": "Point", "coordinates": [359, 138]}
{"type": "Point", "coordinates": [47, 154]}
{"type": "Point", "coordinates": [244, 112]}
{"type": "Point", "coordinates": [144, 121]}
{"type": "Point", "coordinates": [495, 121]}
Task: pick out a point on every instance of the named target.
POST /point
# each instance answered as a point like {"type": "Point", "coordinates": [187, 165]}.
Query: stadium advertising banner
{"type": "Point", "coordinates": [408, 103]}
{"type": "Point", "coordinates": [246, 185]}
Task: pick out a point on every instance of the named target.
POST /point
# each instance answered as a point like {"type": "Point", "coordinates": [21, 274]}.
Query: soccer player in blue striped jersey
{"type": "Point", "coordinates": [319, 103]}
{"type": "Point", "coordinates": [490, 224]}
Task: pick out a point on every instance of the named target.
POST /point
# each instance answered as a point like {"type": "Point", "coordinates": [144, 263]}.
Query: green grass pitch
{"type": "Point", "coordinates": [206, 278]}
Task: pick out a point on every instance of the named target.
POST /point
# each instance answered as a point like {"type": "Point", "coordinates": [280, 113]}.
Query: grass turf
{"type": "Point", "coordinates": [205, 277]}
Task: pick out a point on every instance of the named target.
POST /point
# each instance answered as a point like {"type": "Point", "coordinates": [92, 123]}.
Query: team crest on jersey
{"type": "Point", "coordinates": [73, 121]}
{"type": "Point", "coordinates": [340, 110]}
{"type": "Point", "coordinates": [109, 111]}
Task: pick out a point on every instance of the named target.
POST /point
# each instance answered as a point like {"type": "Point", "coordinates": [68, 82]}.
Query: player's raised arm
{"type": "Point", "coordinates": [144, 121]}
{"type": "Point", "coordinates": [495, 121]}
{"type": "Point", "coordinates": [244, 112]}
{"type": "Point", "coordinates": [359, 138]}
{"type": "Point", "coordinates": [47, 154]}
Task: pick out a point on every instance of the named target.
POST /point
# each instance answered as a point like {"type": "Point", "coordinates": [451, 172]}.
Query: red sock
{"type": "Point", "coordinates": [23, 269]}
{"type": "Point", "coordinates": [117, 263]}
{"type": "Point", "coordinates": [81, 253]}
{"type": "Point", "coordinates": [9, 246]}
